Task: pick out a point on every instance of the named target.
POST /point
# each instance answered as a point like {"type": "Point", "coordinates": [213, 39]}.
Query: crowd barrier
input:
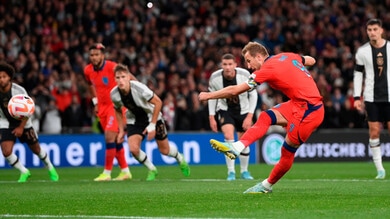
{"type": "Point", "coordinates": [88, 149]}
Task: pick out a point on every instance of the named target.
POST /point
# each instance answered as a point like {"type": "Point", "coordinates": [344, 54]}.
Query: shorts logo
{"type": "Point", "coordinates": [271, 148]}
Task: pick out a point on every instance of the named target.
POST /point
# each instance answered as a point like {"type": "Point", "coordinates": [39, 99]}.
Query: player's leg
{"type": "Point", "coordinates": [30, 137]}
{"type": "Point", "coordinates": [244, 161]}
{"type": "Point", "coordinates": [134, 140]}
{"type": "Point", "coordinates": [7, 142]}
{"type": "Point", "coordinates": [258, 130]}
{"type": "Point", "coordinates": [375, 114]}
{"type": "Point", "coordinates": [302, 122]}
{"type": "Point", "coordinates": [227, 129]}
{"type": "Point", "coordinates": [111, 132]}
{"type": "Point", "coordinates": [170, 150]}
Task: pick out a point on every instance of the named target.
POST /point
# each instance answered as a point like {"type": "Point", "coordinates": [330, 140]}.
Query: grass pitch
{"type": "Point", "coordinates": [309, 190]}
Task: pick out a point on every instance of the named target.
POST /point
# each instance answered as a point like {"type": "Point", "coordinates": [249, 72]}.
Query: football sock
{"type": "Point", "coordinates": [110, 155]}
{"type": "Point", "coordinates": [229, 162]}
{"type": "Point", "coordinates": [260, 128]}
{"type": "Point", "coordinates": [120, 156]}
{"type": "Point", "coordinates": [244, 159]}
{"type": "Point", "coordinates": [13, 160]}
{"type": "Point", "coordinates": [173, 152]}
{"type": "Point", "coordinates": [143, 159]}
{"type": "Point", "coordinates": [376, 153]}
{"type": "Point", "coordinates": [45, 158]}
{"type": "Point", "coordinates": [284, 164]}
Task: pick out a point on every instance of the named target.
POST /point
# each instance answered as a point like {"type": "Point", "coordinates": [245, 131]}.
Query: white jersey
{"type": "Point", "coordinates": [243, 103]}
{"type": "Point", "coordinates": [6, 121]}
{"type": "Point", "coordinates": [374, 63]}
{"type": "Point", "coordinates": [139, 109]}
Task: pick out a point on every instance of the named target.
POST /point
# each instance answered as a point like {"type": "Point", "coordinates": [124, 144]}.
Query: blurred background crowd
{"type": "Point", "coordinates": [173, 46]}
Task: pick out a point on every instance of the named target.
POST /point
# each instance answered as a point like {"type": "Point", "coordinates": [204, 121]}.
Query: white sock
{"type": "Point", "coordinates": [108, 172]}
{"type": "Point", "coordinates": [230, 165]}
{"type": "Point", "coordinates": [229, 162]}
{"type": "Point", "coordinates": [376, 153]}
{"type": "Point", "coordinates": [266, 184]}
{"type": "Point", "coordinates": [244, 159]}
{"type": "Point", "coordinates": [45, 158]}
{"type": "Point", "coordinates": [14, 161]}
{"type": "Point", "coordinates": [173, 152]}
{"type": "Point", "coordinates": [143, 159]}
{"type": "Point", "coordinates": [238, 146]}
{"type": "Point", "coordinates": [125, 170]}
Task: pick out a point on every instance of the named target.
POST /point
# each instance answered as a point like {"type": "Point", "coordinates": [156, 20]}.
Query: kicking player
{"type": "Point", "coordinates": [301, 115]}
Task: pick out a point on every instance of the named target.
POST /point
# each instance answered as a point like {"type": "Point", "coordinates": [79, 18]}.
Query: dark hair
{"type": "Point", "coordinates": [98, 46]}
{"type": "Point", "coordinates": [228, 56]}
{"type": "Point", "coordinates": [7, 68]}
{"type": "Point", "coordinates": [374, 21]}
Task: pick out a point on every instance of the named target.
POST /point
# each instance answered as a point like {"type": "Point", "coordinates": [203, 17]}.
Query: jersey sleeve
{"type": "Point", "coordinates": [116, 98]}
{"type": "Point", "coordinates": [358, 76]}
{"type": "Point", "coordinates": [86, 75]}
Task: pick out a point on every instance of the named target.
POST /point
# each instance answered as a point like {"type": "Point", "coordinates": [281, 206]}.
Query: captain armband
{"type": "Point", "coordinates": [251, 82]}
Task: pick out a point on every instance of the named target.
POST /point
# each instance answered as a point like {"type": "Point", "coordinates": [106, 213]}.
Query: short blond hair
{"type": "Point", "coordinates": [255, 48]}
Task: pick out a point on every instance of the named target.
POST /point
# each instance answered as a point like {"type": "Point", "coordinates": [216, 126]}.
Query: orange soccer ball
{"type": "Point", "coordinates": [21, 106]}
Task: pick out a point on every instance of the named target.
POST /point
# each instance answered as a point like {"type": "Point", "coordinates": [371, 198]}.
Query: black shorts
{"type": "Point", "coordinates": [377, 112]}
{"type": "Point", "coordinates": [161, 130]}
{"type": "Point", "coordinates": [225, 117]}
{"type": "Point", "coordinates": [29, 136]}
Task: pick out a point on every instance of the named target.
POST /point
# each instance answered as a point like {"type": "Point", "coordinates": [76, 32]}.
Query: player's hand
{"type": "Point", "coordinates": [358, 105]}
{"type": "Point", "coordinates": [203, 96]}
{"type": "Point", "coordinates": [120, 138]}
{"type": "Point", "coordinates": [18, 131]}
{"type": "Point", "coordinates": [247, 123]}
{"type": "Point", "coordinates": [213, 124]}
{"type": "Point", "coordinates": [150, 130]}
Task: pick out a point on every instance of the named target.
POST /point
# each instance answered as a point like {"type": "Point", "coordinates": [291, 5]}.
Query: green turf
{"type": "Point", "coordinates": [309, 190]}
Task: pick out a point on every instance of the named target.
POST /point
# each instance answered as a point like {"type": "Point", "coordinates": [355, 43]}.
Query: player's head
{"type": "Point", "coordinates": [374, 29]}
{"type": "Point", "coordinates": [229, 64]}
{"type": "Point", "coordinates": [254, 54]}
{"type": "Point", "coordinates": [96, 54]}
{"type": "Point", "coordinates": [6, 74]}
{"type": "Point", "coordinates": [122, 77]}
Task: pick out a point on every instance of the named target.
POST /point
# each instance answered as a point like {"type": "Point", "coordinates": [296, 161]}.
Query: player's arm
{"type": "Point", "coordinates": [358, 82]}
{"type": "Point", "coordinates": [18, 131]}
{"type": "Point", "coordinates": [151, 128]}
{"type": "Point", "coordinates": [308, 60]}
{"type": "Point", "coordinates": [212, 105]}
{"type": "Point", "coordinates": [252, 96]}
{"type": "Point", "coordinates": [226, 92]}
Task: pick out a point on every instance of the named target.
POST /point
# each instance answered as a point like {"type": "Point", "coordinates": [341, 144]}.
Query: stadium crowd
{"type": "Point", "coordinates": [174, 46]}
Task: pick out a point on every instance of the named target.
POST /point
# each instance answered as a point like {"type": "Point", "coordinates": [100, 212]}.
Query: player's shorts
{"type": "Point", "coordinates": [377, 112]}
{"type": "Point", "coordinates": [303, 118]}
{"type": "Point", "coordinates": [226, 117]}
{"type": "Point", "coordinates": [29, 136]}
{"type": "Point", "coordinates": [161, 130]}
{"type": "Point", "coordinates": [107, 118]}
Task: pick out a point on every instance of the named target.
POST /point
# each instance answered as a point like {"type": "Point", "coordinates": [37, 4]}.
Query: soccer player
{"type": "Point", "coordinates": [234, 113]}
{"type": "Point", "coordinates": [11, 128]}
{"type": "Point", "coordinates": [100, 75]}
{"type": "Point", "coordinates": [301, 115]}
{"type": "Point", "coordinates": [373, 58]}
{"type": "Point", "coordinates": [143, 118]}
